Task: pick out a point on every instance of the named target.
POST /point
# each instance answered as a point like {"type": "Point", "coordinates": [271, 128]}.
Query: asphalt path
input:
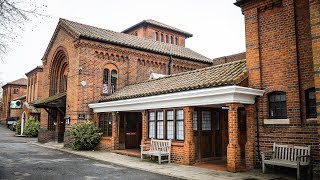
{"type": "Point", "coordinates": [20, 158]}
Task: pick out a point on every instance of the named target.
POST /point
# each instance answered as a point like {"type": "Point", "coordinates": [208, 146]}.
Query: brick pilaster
{"type": "Point", "coordinates": [144, 127]}
{"type": "Point", "coordinates": [249, 149]}
{"type": "Point", "coordinates": [115, 131]}
{"type": "Point", "coordinates": [189, 145]}
{"type": "Point", "coordinates": [233, 149]}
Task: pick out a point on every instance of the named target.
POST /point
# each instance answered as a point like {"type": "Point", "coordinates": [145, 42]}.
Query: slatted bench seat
{"type": "Point", "coordinates": [157, 148]}
{"type": "Point", "coordinates": [287, 156]}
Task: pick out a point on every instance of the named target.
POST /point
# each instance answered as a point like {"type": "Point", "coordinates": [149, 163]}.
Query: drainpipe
{"type": "Point", "coordinates": [298, 60]}
{"type": "Point", "coordinates": [10, 96]}
{"type": "Point", "coordinates": [257, 124]}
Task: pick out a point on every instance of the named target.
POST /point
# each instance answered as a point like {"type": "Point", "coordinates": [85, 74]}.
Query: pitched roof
{"type": "Point", "coordinates": [103, 35]}
{"type": "Point", "coordinates": [159, 24]}
{"type": "Point", "coordinates": [220, 75]}
{"type": "Point", "coordinates": [34, 69]}
{"type": "Point", "coordinates": [230, 58]}
{"type": "Point", "coordinates": [21, 82]}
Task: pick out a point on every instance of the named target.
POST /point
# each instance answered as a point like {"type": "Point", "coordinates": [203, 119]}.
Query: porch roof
{"type": "Point", "coordinates": [57, 100]}
{"type": "Point", "coordinates": [214, 85]}
{"type": "Point", "coordinates": [220, 75]}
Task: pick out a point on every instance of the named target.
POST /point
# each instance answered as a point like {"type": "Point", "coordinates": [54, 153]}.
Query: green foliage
{"type": "Point", "coordinates": [18, 128]}
{"type": "Point", "coordinates": [85, 135]}
{"type": "Point", "coordinates": [32, 127]}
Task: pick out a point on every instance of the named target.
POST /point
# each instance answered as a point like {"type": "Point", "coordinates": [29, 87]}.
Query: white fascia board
{"type": "Point", "coordinates": [198, 97]}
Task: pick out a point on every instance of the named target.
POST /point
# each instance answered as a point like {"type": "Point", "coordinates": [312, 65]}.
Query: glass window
{"type": "Point", "coordinates": [15, 91]}
{"type": "Point", "coordinates": [171, 40]}
{"type": "Point", "coordinates": [114, 77]}
{"type": "Point", "coordinates": [162, 38]}
{"type": "Point", "coordinates": [277, 105]}
{"type": "Point", "coordinates": [105, 124]}
{"type": "Point", "coordinates": [195, 120]}
{"type": "Point", "coordinates": [176, 41]}
{"type": "Point", "coordinates": [179, 125]}
{"type": "Point", "coordinates": [160, 125]}
{"type": "Point", "coordinates": [105, 81]}
{"type": "Point", "coordinates": [167, 39]}
{"type": "Point", "coordinates": [151, 125]}
{"type": "Point", "coordinates": [206, 120]}
{"type": "Point", "coordinates": [311, 109]}
{"type": "Point", "coordinates": [170, 121]}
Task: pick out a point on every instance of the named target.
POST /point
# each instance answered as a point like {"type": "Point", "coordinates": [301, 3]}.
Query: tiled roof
{"type": "Point", "coordinates": [21, 82]}
{"type": "Point", "coordinates": [49, 99]}
{"type": "Point", "coordinates": [38, 67]}
{"type": "Point", "coordinates": [159, 24]}
{"type": "Point", "coordinates": [121, 39]}
{"type": "Point", "coordinates": [230, 58]}
{"type": "Point", "coordinates": [220, 75]}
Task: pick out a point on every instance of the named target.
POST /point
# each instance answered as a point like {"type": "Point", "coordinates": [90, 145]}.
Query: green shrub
{"type": "Point", "coordinates": [18, 127]}
{"type": "Point", "coordinates": [32, 127]}
{"type": "Point", "coordinates": [85, 136]}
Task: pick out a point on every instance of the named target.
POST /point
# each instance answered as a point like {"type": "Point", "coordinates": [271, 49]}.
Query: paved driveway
{"type": "Point", "coordinates": [20, 159]}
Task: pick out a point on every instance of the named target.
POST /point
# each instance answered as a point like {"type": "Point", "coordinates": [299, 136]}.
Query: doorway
{"type": "Point", "coordinates": [133, 130]}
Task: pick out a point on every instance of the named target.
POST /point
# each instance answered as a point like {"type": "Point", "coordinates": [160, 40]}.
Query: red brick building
{"type": "Point", "coordinates": [13, 91]}
{"type": "Point", "coordinates": [228, 108]}
{"type": "Point", "coordinates": [84, 64]}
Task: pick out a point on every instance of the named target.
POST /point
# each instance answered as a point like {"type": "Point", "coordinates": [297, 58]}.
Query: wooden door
{"type": "Point", "coordinates": [206, 134]}
{"type": "Point", "coordinates": [242, 124]}
{"type": "Point", "coordinates": [61, 127]}
{"type": "Point", "coordinates": [132, 133]}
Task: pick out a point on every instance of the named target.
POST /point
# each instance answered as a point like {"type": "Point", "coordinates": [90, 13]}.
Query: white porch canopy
{"type": "Point", "coordinates": [198, 97]}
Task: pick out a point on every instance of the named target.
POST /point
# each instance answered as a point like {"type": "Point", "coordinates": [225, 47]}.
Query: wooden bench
{"type": "Point", "coordinates": [287, 156]}
{"type": "Point", "coordinates": [157, 148]}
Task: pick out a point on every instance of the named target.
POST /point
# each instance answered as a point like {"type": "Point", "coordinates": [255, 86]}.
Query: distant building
{"type": "Point", "coordinates": [13, 92]}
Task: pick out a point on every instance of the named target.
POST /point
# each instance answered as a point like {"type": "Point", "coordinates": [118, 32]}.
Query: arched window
{"type": "Point", "coordinates": [171, 40]}
{"type": "Point", "coordinates": [109, 81]}
{"type": "Point", "coordinates": [114, 77]}
{"type": "Point", "coordinates": [162, 38]}
{"type": "Point", "coordinates": [277, 105]}
{"type": "Point", "coordinates": [167, 39]}
{"type": "Point", "coordinates": [105, 87]}
{"type": "Point", "coordinates": [311, 103]}
{"type": "Point", "coordinates": [157, 36]}
{"type": "Point", "coordinates": [176, 41]}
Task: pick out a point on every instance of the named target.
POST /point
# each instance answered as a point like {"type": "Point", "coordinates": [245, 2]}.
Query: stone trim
{"type": "Point", "coordinates": [276, 121]}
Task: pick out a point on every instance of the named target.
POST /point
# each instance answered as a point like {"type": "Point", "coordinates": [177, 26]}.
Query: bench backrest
{"type": "Point", "coordinates": [159, 144]}
{"type": "Point", "coordinates": [290, 153]}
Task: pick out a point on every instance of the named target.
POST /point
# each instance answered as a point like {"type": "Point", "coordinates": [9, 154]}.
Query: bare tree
{"type": "Point", "coordinates": [13, 16]}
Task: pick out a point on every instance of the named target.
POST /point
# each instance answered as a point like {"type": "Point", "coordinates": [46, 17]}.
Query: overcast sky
{"type": "Point", "coordinates": [217, 26]}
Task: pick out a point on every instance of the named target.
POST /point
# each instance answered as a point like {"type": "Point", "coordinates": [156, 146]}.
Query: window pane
{"type": "Point", "coordinates": [151, 125]}
{"type": "Point", "coordinates": [206, 120]}
{"type": "Point", "coordinates": [114, 77]}
{"type": "Point", "coordinates": [109, 124]}
{"type": "Point", "coordinates": [105, 81]}
{"type": "Point", "coordinates": [195, 120]}
{"type": "Point", "coordinates": [179, 130]}
{"type": "Point", "coordinates": [169, 129]}
{"type": "Point", "coordinates": [170, 125]}
{"type": "Point", "coordinates": [160, 124]}
{"type": "Point", "coordinates": [179, 125]}
{"type": "Point", "coordinates": [277, 105]}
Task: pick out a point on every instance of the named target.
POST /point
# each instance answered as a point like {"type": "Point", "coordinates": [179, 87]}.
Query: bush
{"type": "Point", "coordinates": [85, 136]}
{"type": "Point", "coordinates": [18, 127]}
{"type": "Point", "coordinates": [32, 127]}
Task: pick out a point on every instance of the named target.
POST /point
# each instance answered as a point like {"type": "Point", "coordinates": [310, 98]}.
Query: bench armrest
{"type": "Point", "coordinates": [143, 146]}
{"type": "Point", "coordinates": [303, 156]}
{"type": "Point", "coordinates": [263, 154]}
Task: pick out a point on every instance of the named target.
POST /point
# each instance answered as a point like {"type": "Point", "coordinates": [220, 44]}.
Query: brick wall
{"type": "Point", "coordinates": [279, 58]}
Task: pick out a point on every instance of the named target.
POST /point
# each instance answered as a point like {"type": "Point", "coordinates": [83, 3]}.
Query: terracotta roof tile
{"type": "Point", "coordinates": [104, 35]}
{"type": "Point", "coordinates": [159, 24]}
{"type": "Point", "coordinates": [21, 81]}
{"type": "Point", "coordinates": [220, 75]}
